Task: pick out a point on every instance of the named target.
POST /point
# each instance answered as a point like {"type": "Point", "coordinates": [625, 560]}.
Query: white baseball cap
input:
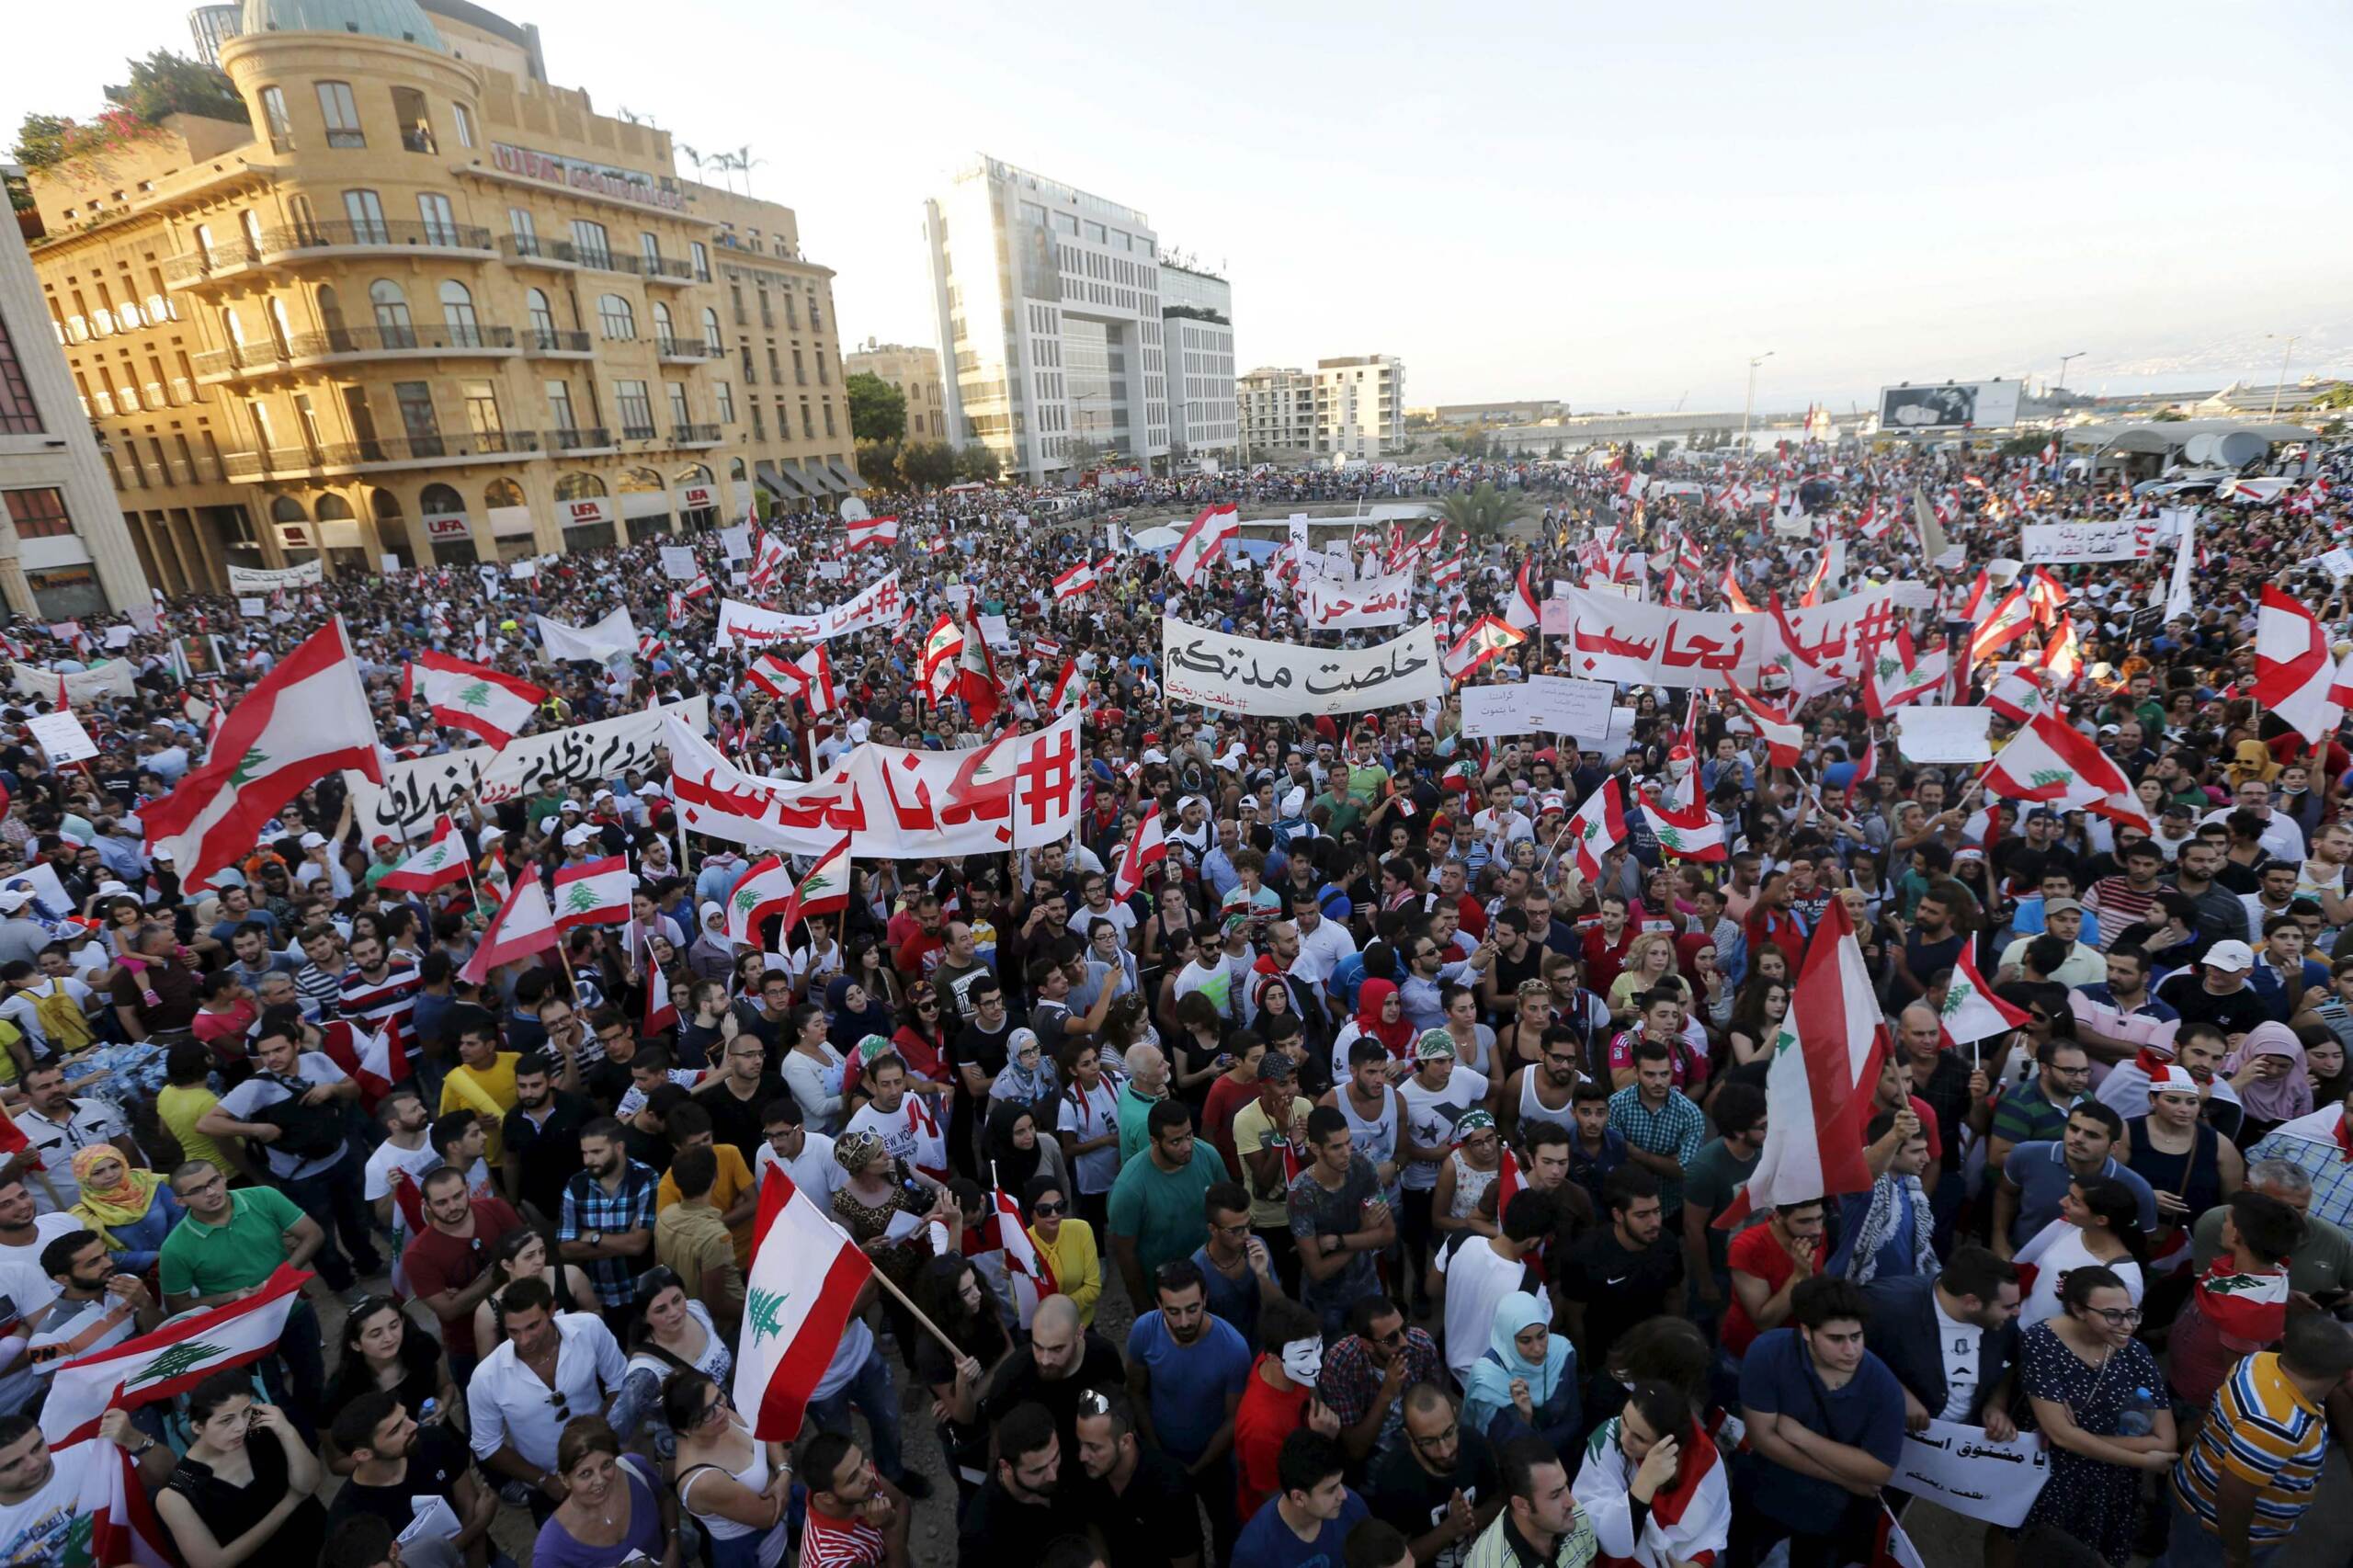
{"type": "Point", "coordinates": [2231, 958]}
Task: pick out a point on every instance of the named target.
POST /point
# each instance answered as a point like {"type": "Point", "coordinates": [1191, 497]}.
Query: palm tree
{"type": "Point", "coordinates": [746, 163]}
{"type": "Point", "coordinates": [1483, 512]}
{"type": "Point", "coordinates": [691, 155]}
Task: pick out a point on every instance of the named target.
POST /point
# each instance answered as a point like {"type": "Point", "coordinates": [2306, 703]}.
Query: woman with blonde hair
{"type": "Point", "coordinates": [1650, 964]}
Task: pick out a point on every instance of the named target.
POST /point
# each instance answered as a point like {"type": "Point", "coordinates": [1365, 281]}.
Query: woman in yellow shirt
{"type": "Point", "coordinates": [184, 1097]}
{"type": "Point", "coordinates": [1065, 1242]}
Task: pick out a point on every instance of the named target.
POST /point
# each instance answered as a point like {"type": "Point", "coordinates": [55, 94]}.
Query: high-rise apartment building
{"type": "Point", "coordinates": [915, 372]}
{"type": "Point", "coordinates": [1347, 408]}
{"type": "Point", "coordinates": [421, 304]}
{"type": "Point", "coordinates": [1050, 321]}
{"type": "Point", "coordinates": [1196, 335]}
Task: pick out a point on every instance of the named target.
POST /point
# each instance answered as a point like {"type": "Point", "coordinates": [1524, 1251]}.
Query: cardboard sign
{"type": "Point", "coordinates": [1967, 1472]}
{"type": "Point", "coordinates": [1944, 734]}
{"type": "Point", "coordinates": [61, 735]}
{"type": "Point", "coordinates": [678, 563]}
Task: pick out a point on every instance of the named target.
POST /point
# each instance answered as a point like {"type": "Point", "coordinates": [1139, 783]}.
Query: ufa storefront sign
{"type": "Point", "coordinates": [588, 512]}
{"type": "Point", "coordinates": [696, 497]}
{"type": "Point", "coordinates": [297, 535]}
{"type": "Point", "coordinates": [447, 524]}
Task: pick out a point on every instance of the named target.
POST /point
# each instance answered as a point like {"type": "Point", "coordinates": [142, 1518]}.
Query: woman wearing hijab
{"type": "Point", "coordinates": [131, 1209]}
{"type": "Point", "coordinates": [710, 955]}
{"type": "Point", "coordinates": [2267, 1074]}
{"type": "Point", "coordinates": [1380, 1014]}
{"type": "Point", "coordinates": [1019, 1149]}
{"type": "Point", "coordinates": [1527, 1382]}
{"type": "Point", "coordinates": [1028, 1077]}
{"type": "Point", "coordinates": [854, 1014]}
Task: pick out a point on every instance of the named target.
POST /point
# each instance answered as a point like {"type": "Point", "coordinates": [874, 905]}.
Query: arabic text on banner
{"type": "Point", "coordinates": [2066, 545]}
{"type": "Point", "coordinates": [110, 679]}
{"type": "Point", "coordinates": [1542, 705]}
{"type": "Point", "coordinates": [262, 580]}
{"type": "Point", "coordinates": [1280, 680]}
{"type": "Point", "coordinates": [878, 606]}
{"type": "Point", "coordinates": [1330, 606]}
{"type": "Point", "coordinates": [1639, 643]}
{"type": "Point", "coordinates": [414, 793]}
{"type": "Point", "coordinates": [1967, 1472]}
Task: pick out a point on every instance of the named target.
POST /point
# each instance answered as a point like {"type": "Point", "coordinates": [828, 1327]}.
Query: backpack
{"type": "Point", "coordinates": [62, 1021]}
{"type": "Point", "coordinates": [305, 1131]}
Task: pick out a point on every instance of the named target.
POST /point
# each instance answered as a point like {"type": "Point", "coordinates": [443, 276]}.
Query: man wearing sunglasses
{"type": "Point", "coordinates": [552, 1368]}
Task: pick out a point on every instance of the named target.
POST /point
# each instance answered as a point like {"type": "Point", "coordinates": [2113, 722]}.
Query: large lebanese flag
{"type": "Point", "coordinates": [168, 1361]}
{"type": "Point", "coordinates": [2011, 619]}
{"type": "Point", "coordinates": [759, 892]}
{"type": "Point", "coordinates": [825, 889]}
{"type": "Point", "coordinates": [1146, 849]}
{"type": "Point", "coordinates": [1487, 640]}
{"type": "Point", "coordinates": [1818, 1094]}
{"type": "Point", "coordinates": [2050, 762]}
{"type": "Point", "coordinates": [304, 719]}
{"type": "Point", "coordinates": [436, 865]}
{"type": "Point", "coordinates": [1694, 835]}
{"type": "Point", "coordinates": [523, 926]}
{"type": "Point", "coordinates": [1203, 541]}
{"type": "Point", "coordinates": [1523, 613]}
{"type": "Point", "coordinates": [1074, 582]}
{"type": "Point", "coordinates": [2293, 671]}
{"type": "Point", "coordinates": [1784, 740]}
{"type": "Point", "coordinates": [1901, 674]}
{"type": "Point", "coordinates": [473, 698]}
{"type": "Point", "coordinates": [1598, 827]}
{"type": "Point", "coordinates": [872, 531]}
{"type": "Point", "coordinates": [806, 1279]}
{"type": "Point", "coordinates": [594, 892]}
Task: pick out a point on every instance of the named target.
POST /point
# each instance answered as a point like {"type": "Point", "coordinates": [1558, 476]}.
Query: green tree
{"type": "Point", "coordinates": [878, 410]}
{"type": "Point", "coordinates": [979, 462]}
{"type": "Point", "coordinates": [2335, 397]}
{"type": "Point", "coordinates": [1553, 451]}
{"type": "Point", "coordinates": [2168, 416]}
{"type": "Point", "coordinates": [878, 464]}
{"type": "Point", "coordinates": [1484, 511]}
{"type": "Point", "coordinates": [927, 465]}
{"type": "Point", "coordinates": [43, 140]}
{"type": "Point", "coordinates": [168, 83]}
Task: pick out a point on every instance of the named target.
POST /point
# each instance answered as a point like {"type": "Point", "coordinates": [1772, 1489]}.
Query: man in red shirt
{"type": "Point", "coordinates": [1605, 941]}
{"type": "Point", "coordinates": [855, 1518]}
{"type": "Point", "coordinates": [1771, 922]}
{"type": "Point", "coordinates": [449, 1262]}
{"type": "Point", "coordinates": [1767, 1262]}
{"type": "Point", "coordinates": [1278, 1399]}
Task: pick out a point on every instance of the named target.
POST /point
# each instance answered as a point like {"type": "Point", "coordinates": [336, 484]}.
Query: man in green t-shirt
{"type": "Point", "coordinates": [1709, 1187]}
{"type": "Point", "coordinates": [224, 1249]}
{"type": "Point", "coordinates": [1156, 1213]}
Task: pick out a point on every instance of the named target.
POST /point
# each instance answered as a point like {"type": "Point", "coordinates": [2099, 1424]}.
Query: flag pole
{"type": "Point", "coordinates": [954, 1351]}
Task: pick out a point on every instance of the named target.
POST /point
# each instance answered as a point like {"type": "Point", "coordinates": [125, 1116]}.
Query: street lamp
{"type": "Point", "coordinates": [2063, 367]}
{"type": "Point", "coordinates": [1749, 402]}
{"type": "Point", "coordinates": [2290, 349]}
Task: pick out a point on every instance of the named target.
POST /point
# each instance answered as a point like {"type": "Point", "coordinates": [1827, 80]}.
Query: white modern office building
{"type": "Point", "coordinates": [1196, 332]}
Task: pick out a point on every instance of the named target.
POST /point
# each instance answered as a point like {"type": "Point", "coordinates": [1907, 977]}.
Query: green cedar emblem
{"type": "Point", "coordinates": [247, 766]}
{"type": "Point", "coordinates": [2048, 776]}
{"type": "Point", "coordinates": [762, 1311]}
{"type": "Point", "coordinates": [581, 899]}
{"type": "Point", "coordinates": [174, 1361]}
{"type": "Point", "coordinates": [476, 695]}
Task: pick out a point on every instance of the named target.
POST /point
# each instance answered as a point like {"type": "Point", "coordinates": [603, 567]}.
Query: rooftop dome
{"type": "Point", "coordinates": [402, 19]}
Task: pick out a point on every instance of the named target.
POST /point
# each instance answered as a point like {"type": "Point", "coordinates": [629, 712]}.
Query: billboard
{"type": "Point", "coordinates": [1954, 405]}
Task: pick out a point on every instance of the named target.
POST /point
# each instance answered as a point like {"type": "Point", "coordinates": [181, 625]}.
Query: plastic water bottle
{"type": "Point", "coordinates": [2139, 1418]}
{"type": "Point", "coordinates": [425, 1411]}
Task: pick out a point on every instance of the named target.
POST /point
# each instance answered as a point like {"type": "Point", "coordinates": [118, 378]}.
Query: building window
{"type": "Point", "coordinates": [636, 410]}
{"type": "Point", "coordinates": [723, 394]}
{"type": "Point", "coordinates": [273, 114]}
{"type": "Point", "coordinates": [701, 260]}
{"type": "Point", "coordinates": [482, 408]}
{"type": "Point", "coordinates": [19, 416]}
{"type": "Point", "coordinates": [590, 245]}
{"type": "Point", "coordinates": [759, 430]}
{"type": "Point", "coordinates": [808, 428]}
{"type": "Point", "coordinates": [39, 514]}
{"type": "Point", "coordinates": [799, 370]}
{"type": "Point", "coordinates": [649, 247]}
{"type": "Point", "coordinates": [711, 333]}
{"type": "Point", "coordinates": [559, 404]}
{"type": "Point", "coordinates": [409, 114]}
{"type": "Point", "coordinates": [816, 317]}
{"type": "Point", "coordinates": [791, 312]}
{"type": "Point", "coordinates": [457, 314]}
{"type": "Point", "coordinates": [341, 112]}
{"type": "Point", "coordinates": [615, 317]}
{"type": "Point", "coordinates": [366, 214]}
{"type": "Point", "coordinates": [415, 399]}
{"type": "Point", "coordinates": [543, 317]}
{"type": "Point", "coordinates": [829, 417]}
{"type": "Point", "coordinates": [679, 413]}
{"type": "Point", "coordinates": [526, 232]}
{"type": "Point", "coordinates": [663, 336]}
{"type": "Point", "coordinates": [440, 219]}
{"type": "Point", "coordinates": [465, 124]}
{"type": "Point", "coordinates": [392, 313]}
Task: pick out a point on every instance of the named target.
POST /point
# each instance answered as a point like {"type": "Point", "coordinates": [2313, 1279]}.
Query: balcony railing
{"type": "Point", "coordinates": [443, 339]}
{"type": "Point", "coordinates": [375, 233]}
{"type": "Point", "coordinates": [527, 248]}
{"type": "Point", "coordinates": [639, 433]}
{"type": "Point", "coordinates": [686, 348]}
{"type": "Point", "coordinates": [666, 269]}
{"type": "Point", "coordinates": [384, 449]}
{"type": "Point", "coordinates": [588, 438]}
{"type": "Point", "coordinates": [695, 434]}
{"type": "Point", "coordinates": [547, 340]}
{"type": "Point", "coordinates": [200, 263]}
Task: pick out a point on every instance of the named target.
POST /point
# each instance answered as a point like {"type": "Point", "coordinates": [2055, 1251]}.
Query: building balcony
{"type": "Point", "coordinates": [666, 269]}
{"type": "Point", "coordinates": [546, 343]}
{"type": "Point", "coordinates": [217, 264]}
{"type": "Point", "coordinates": [695, 434]}
{"type": "Point", "coordinates": [639, 433]}
{"type": "Point", "coordinates": [306, 241]}
{"type": "Point", "coordinates": [563, 255]}
{"type": "Point", "coordinates": [348, 344]}
{"type": "Point", "coordinates": [587, 439]}
{"type": "Point", "coordinates": [686, 350]}
{"type": "Point", "coordinates": [382, 454]}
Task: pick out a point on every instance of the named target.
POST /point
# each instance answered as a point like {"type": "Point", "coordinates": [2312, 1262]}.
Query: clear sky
{"type": "Point", "coordinates": [1614, 205]}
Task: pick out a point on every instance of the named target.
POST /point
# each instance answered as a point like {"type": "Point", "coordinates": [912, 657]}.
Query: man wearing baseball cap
{"type": "Point", "coordinates": [2216, 991]}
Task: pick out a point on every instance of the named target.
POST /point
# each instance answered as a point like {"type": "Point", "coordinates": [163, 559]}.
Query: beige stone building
{"type": "Point", "coordinates": [425, 305]}
{"type": "Point", "coordinates": [915, 372]}
{"type": "Point", "coordinates": [1351, 408]}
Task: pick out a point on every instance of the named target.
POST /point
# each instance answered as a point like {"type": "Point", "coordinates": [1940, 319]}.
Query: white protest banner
{"type": "Point", "coordinates": [120, 637]}
{"type": "Point", "coordinates": [144, 617]}
{"type": "Point", "coordinates": [678, 563]}
{"type": "Point", "coordinates": [1944, 734]}
{"type": "Point", "coordinates": [1277, 680]}
{"type": "Point", "coordinates": [735, 543]}
{"type": "Point", "coordinates": [1798, 526]}
{"type": "Point", "coordinates": [110, 679]}
{"type": "Point", "coordinates": [1639, 643]}
{"type": "Point", "coordinates": [1297, 534]}
{"type": "Point", "coordinates": [2068, 544]}
{"type": "Point", "coordinates": [61, 737]}
{"type": "Point", "coordinates": [1564, 706]}
{"type": "Point", "coordinates": [414, 793]}
{"type": "Point", "coordinates": [1967, 1472]}
{"type": "Point", "coordinates": [1320, 564]}
{"type": "Point", "coordinates": [1493, 711]}
{"type": "Point", "coordinates": [524, 570]}
{"type": "Point", "coordinates": [1554, 616]}
{"type": "Point", "coordinates": [1610, 742]}
{"type": "Point", "coordinates": [1329, 606]}
{"type": "Point", "coordinates": [250, 605]}
{"type": "Point", "coordinates": [878, 606]}
{"type": "Point", "coordinates": [262, 580]}
{"type": "Point", "coordinates": [615, 636]}
{"type": "Point", "coordinates": [834, 570]}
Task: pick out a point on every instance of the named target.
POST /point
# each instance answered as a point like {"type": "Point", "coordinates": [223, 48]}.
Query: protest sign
{"type": "Point", "coordinates": [1330, 606]}
{"type": "Point", "coordinates": [1635, 643]}
{"type": "Point", "coordinates": [2068, 544]}
{"type": "Point", "coordinates": [735, 543]}
{"type": "Point", "coordinates": [1610, 742]}
{"type": "Point", "coordinates": [414, 793]}
{"type": "Point", "coordinates": [110, 679]}
{"type": "Point", "coordinates": [678, 564]}
{"type": "Point", "coordinates": [1967, 1472]}
{"type": "Point", "coordinates": [61, 735]}
{"type": "Point", "coordinates": [253, 607]}
{"type": "Point", "coordinates": [996, 632]}
{"type": "Point", "coordinates": [613, 637]}
{"type": "Point", "coordinates": [1944, 734]}
{"type": "Point", "coordinates": [1244, 674]}
{"type": "Point", "coordinates": [1542, 705]}
{"type": "Point", "coordinates": [2338, 563]}
{"type": "Point", "coordinates": [263, 580]}
{"type": "Point", "coordinates": [878, 606]}
{"type": "Point", "coordinates": [1554, 616]}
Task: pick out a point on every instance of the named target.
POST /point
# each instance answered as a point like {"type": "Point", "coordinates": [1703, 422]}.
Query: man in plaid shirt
{"type": "Point", "coordinates": [1366, 1374]}
{"type": "Point", "coordinates": [608, 1221]}
{"type": "Point", "coordinates": [1663, 1130]}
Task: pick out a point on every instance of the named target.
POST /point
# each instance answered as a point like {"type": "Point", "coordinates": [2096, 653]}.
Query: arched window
{"type": "Point", "coordinates": [252, 226]}
{"type": "Point", "coordinates": [661, 333]}
{"type": "Point", "coordinates": [281, 331]}
{"type": "Point", "coordinates": [543, 317]}
{"type": "Point", "coordinates": [232, 331]}
{"type": "Point", "coordinates": [330, 308]}
{"type": "Point", "coordinates": [615, 317]}
{"type": "Point", "coordinates": [711, 331]}
{"type": "Point", "coordinates": [286, 509]}
{"type": "Point", "coordinates": [458, 315]}
{"type": "Point", "coordinates": [393, 322]}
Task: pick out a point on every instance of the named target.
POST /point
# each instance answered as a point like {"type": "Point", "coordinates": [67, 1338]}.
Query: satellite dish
{"type": "Point", "coordinates": [853, 510]}
{"type": "Point", "coordinates": [2239, 448]}
{"type": "Point", "coordinates": [2199, 449]}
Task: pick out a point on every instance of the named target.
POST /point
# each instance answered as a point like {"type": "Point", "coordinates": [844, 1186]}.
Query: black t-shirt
{"type": "Point", "coordinates": [2185, 992]}
{"type": "Point", "coordinates": [1509, 971]}
{"type": "Point", "coordinates": [1153, 1522]}
{"type": "Point", "coordinates": [651, 1150]}
{"type": "Point", "coordinates": [737, 1121]}
{"type": "Point", "coordinates": [435, 1462]}
{"type": "Point", "coordinates": [974, 1047]}
{"type": "Point", "coordinates": [1401, 1494]}
{"type": "Point", "coordinates": [999, 1532]}
{"type": "Point", "coordinates": [549, 1152]}
{"type": "Point", "coordinates": [1017, 1383]}
{"type": "Point", "coordinates": [1619, 1287]}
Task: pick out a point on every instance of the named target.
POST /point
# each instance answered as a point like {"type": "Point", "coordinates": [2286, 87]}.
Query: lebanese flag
{"type": "Point", "coordinates": [120, 1523]}
{"type": "Point", "coordinates": [762, 890]}
{"type": "Point", "coordinates": [1971, 1011]}
{"type": "Point", "coordinates": [523, 926]}
{"type": "Point", "coordinates": [776, 675]}
{"type": "Point", "coordinates": [872, 531]}
{"type": "Point", "coordinates": [976, 680]}
{"type": "Point", "coordinates": [473, 698]}
{"type": "Point", "coordinates": [1818, 1094]}
{"type": "Point", "coordinates": [2011, 619]}
{"type": "Point", "coordinates": [699, 588]}
{"type": "Point", "coordinates": [1487, 639]}
{"type": "Point", "coordinates": [436, 865]}
{"type": "Point", "coordinates": [2045, 593]}
{"type": "Point", "coordinates": [941, 649]}
{"type": "Point", "coordinates": [2052, 763]}
{"type": "Point", "coordinates": [1522, 613]}
{"type": "Point", "coordinates": [2062, 655]}
{"type": "Point", "coordinates": [1784, 740]}
{"type": "Point", "coordinates": [1694, 835]}
{"type": "Point", "coordinates": [2015, 697]}
{"type": "Point", "coordinates": [490, 876]}
{"type": "Point", "coordinates": [1977, 591]}
{"type": "Point", "coordinates": [374, 1061]}
{"type": "Point", "coordinates": [2293, 671]}
{"type": "Point", "coordinates": [1814, 586]}
{"type": "Point", "coordinates": [169, 1361]}
{"type": "Point", "coordinates": [937, 545]}
{"type": "Point", "coordinates": [817, 688]}
{"type": "Point", "coordinates": [1062, 684]}
{"type": "Point", "coordinates": [1030, 1273]}
{"type": "Point", "coordinates": [825, 889]}
{"type": "Point", "coordinates": [1446, 570]}
{"type": "Point", "coordinates": [767, 561]}
{"type": "Point", "coordinates": [1872, 524]}
{"type": "Point", "coordinates": [305, 719]}
{"type": "Point", "coordinates": [661, 1013]}
{"type": "Point", "coordinates": [805, 1278]}
{"type": "Point", "coordinates": [1598, 827]}
{"type": "Point", "coordinates": [1894, 678]}
{"type": "Point", "coordinates": [594, 892]}
{"type": "Point", "coordinates": [1146, 849]}
{"type": "Point", "coordinates": [1866, 770]}
{"type": "Point", "coordinates": [2248, 1306]}
{"type": "Point", "coordinates": [1074, 582]}
{"type": "Point", "coordinates": [1733, 595]}
{"type": "Point", "coordinates": [1203, 541]}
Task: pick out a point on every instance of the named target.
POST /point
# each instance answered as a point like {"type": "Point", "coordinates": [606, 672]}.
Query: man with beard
{"type": "Point", "coordinates": [735, 1095]}
{"type": "Point", "coordinates": [1440, 1487]}
{"type": "Point", "coordinates": [97, 1305]}
{"type": "Point", "coordinates": [1020, 1507]}
{"type": "Point", "coordinates": [404, 1156]}
{"type": "Point", "coordinates": [1929, 948]}
{"type": "Point", "coordinates": [542, 1140]}
{"type": "Point", "coordinates": [1137, 1496]}
{"type": "Point", "coordinates": [605, 1218]}
{"type": "Point", "coordinates": [399, 1462]}
{"type": "Point", "coordinates": [1062, 1360]}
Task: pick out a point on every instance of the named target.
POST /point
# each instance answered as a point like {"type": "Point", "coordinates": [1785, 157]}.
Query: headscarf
{"type": "Point", "coordinates": [847, 1028]}
{"type": "Point", "coordinates": [1028, 1086]}
{"type": "Point", "coordinates": [1014, 1166]}
{"type": "Point", "coordinates": [2255, 761]}
{"type": "Point", "coordinates": [1488, 1389]}
{"type": "Point", "coordinates": [123, 1204]}
{"type": "Point", "coordinates": [1395, 1038]}
{"type": "Point", "coordinates": [853, 1150]}
{"type": "Point", "coordinates": [2273, 1099]}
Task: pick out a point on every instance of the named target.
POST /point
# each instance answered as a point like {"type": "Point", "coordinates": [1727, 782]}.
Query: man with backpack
{"type": "Point", "coordinates": [50, 1011]}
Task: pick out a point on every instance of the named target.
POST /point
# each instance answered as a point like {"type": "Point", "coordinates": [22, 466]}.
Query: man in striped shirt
{"type": "Point", "coordinates": [320, 981]}
{"type": "Point", "coordinates": [377, 991]}
{"type": "Point", "coordinates": [2248, 1478]}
